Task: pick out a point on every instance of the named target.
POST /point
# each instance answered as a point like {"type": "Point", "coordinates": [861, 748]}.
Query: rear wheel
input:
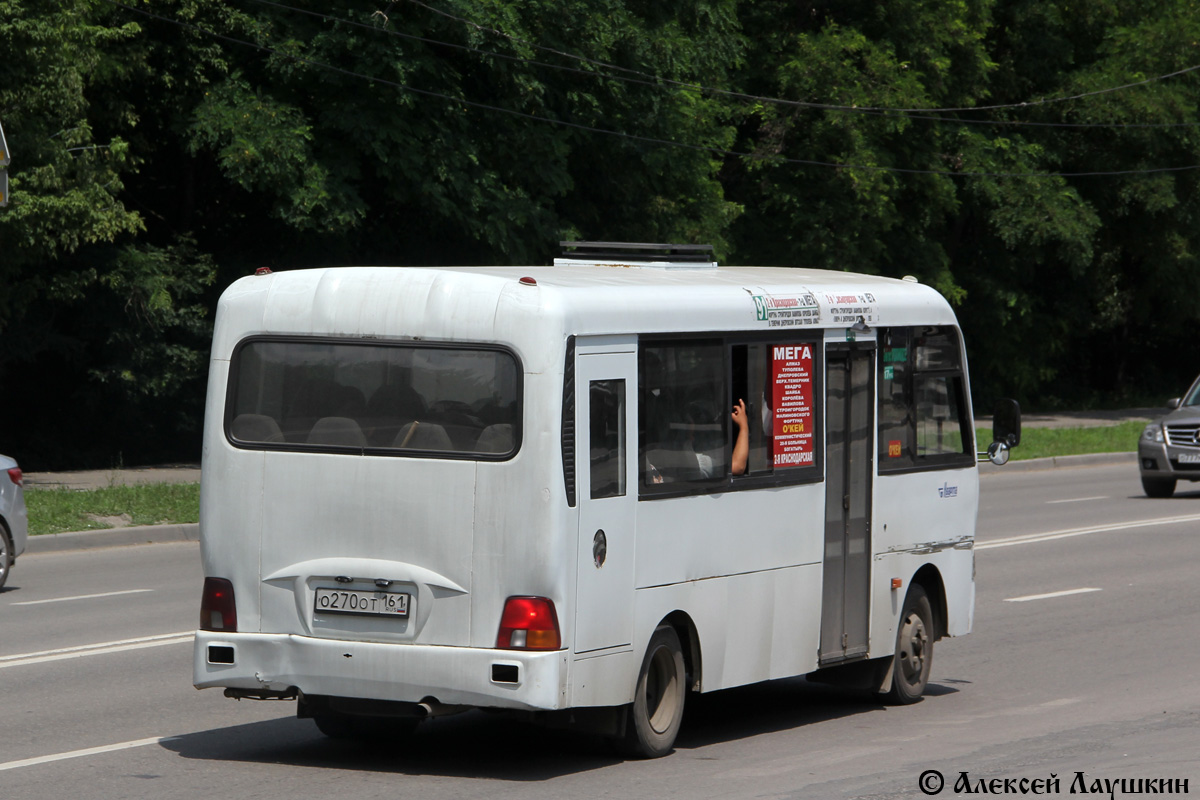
{"type": "Point", "coordinates": [914, 649]}
{"type": "Point", "coordinates": [6, 554]}
{"type": "Point", "coordinates": [656, 713]}
{"type": "Point", "coordinates": [1158, 487]}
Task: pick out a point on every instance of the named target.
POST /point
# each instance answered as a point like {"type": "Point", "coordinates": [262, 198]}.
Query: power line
{"type": "Point", "coordinates": [654, 81]}
{"type": "Point", "coordinates": [828, 106]}
{"type": "Point", "coordinates": [631, 136]}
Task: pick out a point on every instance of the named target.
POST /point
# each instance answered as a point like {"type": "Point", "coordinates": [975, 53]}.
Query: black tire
{"type": "Point", "coordinates": [914, 649]}
{"type": "Point", "coordinates": [6, 554]}
{"type": "Point", "coordinates": [1158, 487]}
{"type": "Point", "coordinates": [656, 713]}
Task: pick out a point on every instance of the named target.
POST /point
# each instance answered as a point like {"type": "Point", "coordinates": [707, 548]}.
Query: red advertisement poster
{"type": "Point", "coordinates": [792, 405]}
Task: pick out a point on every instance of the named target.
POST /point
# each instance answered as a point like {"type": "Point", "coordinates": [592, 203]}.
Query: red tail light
{"type": "Point", "coordinates": [529, 623]}
{"type": "Point", "coordinates": [16, 476]}
{"type": "Point", "coordinates": [217, 609]}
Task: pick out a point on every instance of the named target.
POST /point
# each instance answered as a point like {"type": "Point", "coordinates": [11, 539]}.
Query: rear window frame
{"type": "Point", "coordinates": [231, 389]}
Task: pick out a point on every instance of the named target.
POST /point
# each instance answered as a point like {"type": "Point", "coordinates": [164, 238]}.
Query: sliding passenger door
{"type": "Point", "coordinates": [606, 480]}
{"type": "Point", "coordinates": [845, 604]}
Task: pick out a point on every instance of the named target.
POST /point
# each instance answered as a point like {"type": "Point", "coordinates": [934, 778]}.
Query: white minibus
{"type": "Point", "coordinates": [581, 491]}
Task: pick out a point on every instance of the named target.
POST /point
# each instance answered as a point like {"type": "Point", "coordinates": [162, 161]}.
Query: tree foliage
{"type": "Point", "coordinates": [161, 149]}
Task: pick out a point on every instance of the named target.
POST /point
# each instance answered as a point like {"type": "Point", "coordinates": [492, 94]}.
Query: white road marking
{"type": "Point", "coordinates": [91, 751]}
{"type": "Point", "coordinates": [1077, 500]}
{"type": "Point", "coordinates": [1030, 538]}
{"type": "Point", "coordinates": [25, 659]}
{"type": "Point", "coordinates": [79, 597]}
{"type": "Point", "coordinates": [1048, 595]}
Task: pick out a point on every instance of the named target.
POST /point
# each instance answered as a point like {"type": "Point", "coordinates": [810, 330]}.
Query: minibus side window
{"type": "Point", "coordinates": [607, 438]}
{"type": "Point", "coordinates": [687, 390]}
{"type": "Point", "coordinates": [683, 415]}
{"type": "Point", "coordinates": [923, 419]}
{"type": "Point", "coordinates": [939, 414]}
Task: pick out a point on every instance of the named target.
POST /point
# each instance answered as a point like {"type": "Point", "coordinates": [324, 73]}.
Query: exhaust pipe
{"type": "Point", "coordinates": [430, 707]}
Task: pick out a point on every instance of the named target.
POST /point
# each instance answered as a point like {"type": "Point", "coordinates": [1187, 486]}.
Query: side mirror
{"type": "Point", "coordinates": [998, 453]}
{"type": "Point", "coordinates": [1006, 423]}
{"type": "Point", "coordinates": [1173, 403]}
{"type": "Point", "coordinates": [1006, 432]}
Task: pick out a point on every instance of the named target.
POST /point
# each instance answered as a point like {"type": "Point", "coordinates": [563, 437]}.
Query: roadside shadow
{"type": "Point", "coordinates": [470, 745]}
{"type": "Point", "coordinates": [1181, 494]}
{"type": "Point", "coordinates": [498, 746]}
{"type": "Point", "coordinates": [785, 704]}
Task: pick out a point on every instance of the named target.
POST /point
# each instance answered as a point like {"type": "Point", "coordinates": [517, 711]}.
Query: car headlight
{"type": "Point", "coordinates": [1153, 433]}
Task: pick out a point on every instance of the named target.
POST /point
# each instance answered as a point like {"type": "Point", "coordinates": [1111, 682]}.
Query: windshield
{"type": "Point", "coordinates": [375, 399]}
{"type": "Point", "coordinates": [1193, 396]}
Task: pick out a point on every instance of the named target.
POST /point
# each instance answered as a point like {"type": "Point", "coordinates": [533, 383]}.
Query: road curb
{"type": "Point", "coordinates": [1059, 462]}
{"type": "Point", "coordinates": [112, 537]}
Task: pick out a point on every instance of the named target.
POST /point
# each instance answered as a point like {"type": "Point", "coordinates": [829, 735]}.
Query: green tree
{"type": "Point", "coordinates": [84, 300]}
{"type": "Point", "coordinates": [1059, 281]}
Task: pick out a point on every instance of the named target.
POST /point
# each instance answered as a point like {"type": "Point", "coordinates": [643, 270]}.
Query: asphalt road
{"type": "Point", "coordinates": [1083, 659]}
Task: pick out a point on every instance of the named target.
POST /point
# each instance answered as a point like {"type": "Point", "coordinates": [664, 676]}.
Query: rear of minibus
{"type": "Point", "coordinates": [378, 507]}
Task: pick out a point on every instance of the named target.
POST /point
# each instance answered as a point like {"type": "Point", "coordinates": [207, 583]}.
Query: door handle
{"type": "Point", "coordinates": [599, 549]}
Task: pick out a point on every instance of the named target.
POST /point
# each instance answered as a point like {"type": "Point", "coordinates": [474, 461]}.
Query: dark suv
{"type": "Point", "coordinates": [1169, 449]}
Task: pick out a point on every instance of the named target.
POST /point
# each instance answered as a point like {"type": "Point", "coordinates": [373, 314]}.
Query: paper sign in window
{"type": "Point", "coordinates": [792, 405]}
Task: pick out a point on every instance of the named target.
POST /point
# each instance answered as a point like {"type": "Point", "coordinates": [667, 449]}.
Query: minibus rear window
{"type": "Point", "coordinates": [374, 399]}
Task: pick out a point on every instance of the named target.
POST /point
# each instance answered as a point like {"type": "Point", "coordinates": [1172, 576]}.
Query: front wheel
{"type": "Point", "coordinates": [656, 713]}
{"type": "Point", "coordinates": [914, 649]}
{"type": "Point", "coordinates": [1158, 487]}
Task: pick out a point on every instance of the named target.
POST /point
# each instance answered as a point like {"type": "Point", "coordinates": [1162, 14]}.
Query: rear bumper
{"type": "Point", "coordinates": [403, 672]}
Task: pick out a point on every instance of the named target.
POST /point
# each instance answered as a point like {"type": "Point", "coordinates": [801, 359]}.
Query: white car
{"type": "Point", "coordinates": [14, 521]}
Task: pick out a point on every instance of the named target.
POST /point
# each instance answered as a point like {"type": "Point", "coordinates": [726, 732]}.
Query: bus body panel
{"type": "Point", "coordinates": [407, 521]}
{"type": "Point", "coordinates": [693, 538]}
{"type": "Point", "coordinates": [750, 628]}
{"type": "Point", "coordinates": [908, 536]}
{"type": "Point", "coordinates": [605, 678]}
{"type": "Point", "coordinates": [231, 507]}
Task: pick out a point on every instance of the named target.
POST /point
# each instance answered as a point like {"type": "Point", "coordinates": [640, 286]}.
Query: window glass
{"type": "Point", "coordinates": [752, 385]}
{"type": "Point", "coordinates": [683, 416]}
{"type": "Point", "coordinates": [895, 403]}
{"type": "Point", "coordinates": [607, 438]}
{"type": "Point", "coordinates": [1193, 399]}
{"type": "Point", "coordinates": [923, 419]}
{"type": "Point", "coordinates": [687, 433]}
{"type": "Point", "coordinates": [936, 348]}
{"type": "Point", "coordinates": [939, 414]}
{"type": "Point", "coordinates": [303, 394]}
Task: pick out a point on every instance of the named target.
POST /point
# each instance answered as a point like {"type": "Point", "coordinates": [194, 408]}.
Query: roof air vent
{"type": "Point", "coordinates": [637, 254]}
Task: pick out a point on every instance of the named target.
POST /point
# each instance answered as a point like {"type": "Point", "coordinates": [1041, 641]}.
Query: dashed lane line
{"type": "Point", "coordinates": [101, 648]}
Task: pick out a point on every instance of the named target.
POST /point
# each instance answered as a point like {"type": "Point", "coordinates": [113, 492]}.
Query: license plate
{"type": "Point", "coordinates": [1189, 458]}
{"type": "Point", "coordinates": [351, 601]}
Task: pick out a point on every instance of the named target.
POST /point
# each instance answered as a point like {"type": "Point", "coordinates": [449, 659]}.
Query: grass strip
{"type": "Point", "coordinates": [58, 510]}
{"type": "Point", "coordinates": [1049, 442]}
